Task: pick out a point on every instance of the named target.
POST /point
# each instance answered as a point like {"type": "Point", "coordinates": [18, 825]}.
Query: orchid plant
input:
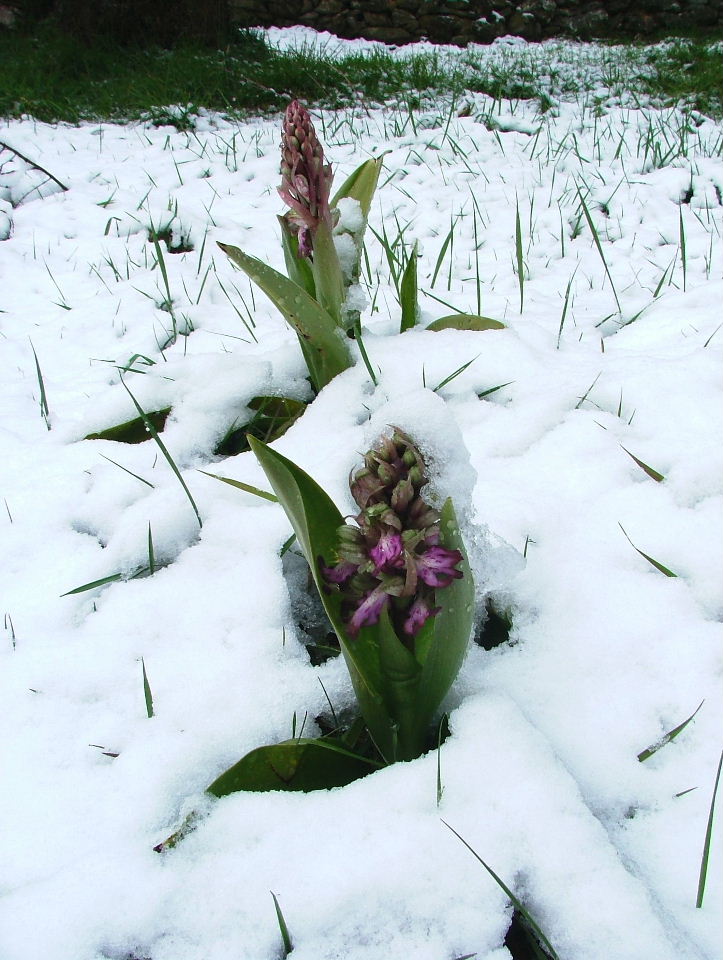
{"type": "Point", "coordinates": [397, 588]}
{"type": "Point", "coordinates": [314, 297]}
{"type": "Point", "coordinates": [322, 237]}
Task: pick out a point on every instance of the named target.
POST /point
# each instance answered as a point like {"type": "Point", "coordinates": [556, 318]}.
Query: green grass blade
{"type": "Point", "coordinates": [408, 293]}
{"type": "Point", "coordinates": [442, 252]}
{"type": "Point", "coordinates": [500, 386]}
{"type": "Point", "coordinates": [285, 936]}
{"type": "Point", "coordinates": [670, 735]}
{"type": "Point", "coordinates": [161, 264]}
{"type": "Point", "coordinates": [147, 691]}
{"type": "Point", "coordinates": [264, 494]}
{"type": "Point", "coordinates": [518, 254]}
{"type": "Point", "coordinates": [596, 238]}
{"type": "Point", "coordinates": [565, 306]}
{"type": "Point", "coordinates": [363, 351]}
{"type": "Point", "coordinates": [653, 474]}
{"type": "Point", "coordinates": [151, 552]}
{"type": "Point", "coordinates": [655, 563]}
{"type": "Point", "coordinates": [113, 578]}
{"type": "Point", "coordinates": [457, 372]}
{"type": "Point", "coordinates": [706, 844]}
{"type": "Point", "coordinates": [535, 927]}
{"type": "Point", "coordinates": [154, 433]}
{"type": "Point", "coordinates": [126, 470]}
{"type": "Point", "coordinates": [681, 241]}
{"type": "Point", "coordinates": [44, 409]}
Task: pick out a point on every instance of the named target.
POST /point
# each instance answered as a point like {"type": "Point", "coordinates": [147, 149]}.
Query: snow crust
{"type": "Point", "coordinates": [607, 654]}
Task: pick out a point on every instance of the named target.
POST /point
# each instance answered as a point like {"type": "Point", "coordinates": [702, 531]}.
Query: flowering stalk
{"type": "Point", "coordinates": [395, 584]}
{"type": "Point", "coordinates": [306, 188]}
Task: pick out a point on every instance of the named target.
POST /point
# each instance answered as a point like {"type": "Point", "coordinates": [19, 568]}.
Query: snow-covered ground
{"type": "Point", "coordinates": [614, 354]}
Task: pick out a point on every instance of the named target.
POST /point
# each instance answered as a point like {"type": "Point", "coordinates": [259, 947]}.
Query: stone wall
{"type": "Point", "coordinates": [480, 21]}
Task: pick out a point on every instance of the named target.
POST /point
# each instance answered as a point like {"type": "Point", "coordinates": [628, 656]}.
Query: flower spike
{"type": "Point", "coordinates": [391, 558]}
{"type": "Point", "coordinates": [305, 177]}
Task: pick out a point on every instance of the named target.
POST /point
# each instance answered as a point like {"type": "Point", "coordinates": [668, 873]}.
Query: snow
{"type": "Point", "coordinates": [540, 773]}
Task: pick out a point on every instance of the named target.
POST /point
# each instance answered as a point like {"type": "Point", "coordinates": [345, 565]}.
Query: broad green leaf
{"type": "Point", "coordinates": [325, 349]}
{"type": "Point", "coordinates": [400, 673]}
{"type": "Point", "coordinates": [361, 185]}
{"type": "Point", "coordinates": [298, 268]}
{"type": "Point", "coordinates": [398, 692]}
{"type": "Point", "coordinates": [328, 278]}
{"type": "Point", "coordinates": [133, 431]}
{"type": "Point", "coordinates": [442, 653]}
{"type": "Point", "coordinates": [315, 520]}
{"type": "Point", "coordinates": [465, 321]}
{"type": "Point", "coordinates": [408, 293]}
{"type": "Point", "coordinates": [294, 765]}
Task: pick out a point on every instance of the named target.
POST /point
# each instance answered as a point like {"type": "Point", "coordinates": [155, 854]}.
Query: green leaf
{"type": "Point", "coordinates": [325, 349]}
{"type": "Point", "coordinates": [361, 185]}
{"type": "Point", "coordinates": [670, 735]}
{"type": "Point", "coordinates": [465, 321]}
{"type": "Point", "coordinates": [441, 654]}
{"type": "Point", "coordinates": [400, 675]}
{"type": "Point", "coordinates": [328, 278]}
{"type": "Point", "coordinates": [135, 430]}
{"type": "Point", "coordinates": [298, 268]}
{"type": "Point", "coordinates": [408, 293]}
{"type": "Point", "coordinates": [294, 765]}
{"type": "Point", "coordinates": [315, 520]}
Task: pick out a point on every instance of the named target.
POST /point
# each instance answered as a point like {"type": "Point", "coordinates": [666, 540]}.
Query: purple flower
{"type": "Point", "coordinates": [388, 550]}
{"type": "Point", "coordinates": [417, 615]}
{"type": "Point", "coordinates": [391, 558]}
{"type": "Point", "coordinates": [340, 573]}
{"type": "Point", "coordinates": [305, 177]}
{"type": "Point", "coordinates": [368, 611]}
{"type": "Point", "coordinates": [436, 566]}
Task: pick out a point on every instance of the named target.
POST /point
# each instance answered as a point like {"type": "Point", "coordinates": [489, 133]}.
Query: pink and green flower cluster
{"type": "Point", "coordinates": [305, 177]}
{"type": "Point", "coordinates": [391, 557]}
